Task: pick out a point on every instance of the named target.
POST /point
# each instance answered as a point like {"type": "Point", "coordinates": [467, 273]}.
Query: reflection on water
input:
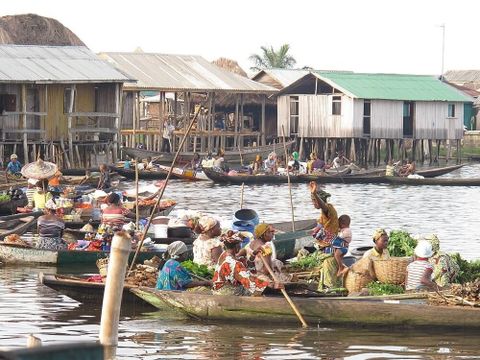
{"type": "Point", "coordinates": [28, 307]}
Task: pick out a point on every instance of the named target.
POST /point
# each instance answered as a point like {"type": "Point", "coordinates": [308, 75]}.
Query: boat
{"type": "Point", "coordinates": [246, 154]}
{"type": "Point", "coordinates": [185, 174]}
{"type": "Point", "coordinates": [18, 225]}
{"type": "Point", "coordinates": [222, 178]}
{"type": "Point", "coordinates": [84, 291]}
{"type": "Point", "coordinates": [367, 311]}
{"type": "Point", "coordinates": [17, 254]}
{"type": "Point", "coordinates": [10, 206]}
{"type": "Point", "coordinates": [78, 171]}
{"type": "Point", "coordinates": [142, 174]}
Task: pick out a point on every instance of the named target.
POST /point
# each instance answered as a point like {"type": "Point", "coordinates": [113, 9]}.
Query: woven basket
{"type": "Point", "coordinates": [391, 271]}
{"type": "Point", "coordinates": [355, 282]}
{"type": "Point", "coordinates": [102, 265]}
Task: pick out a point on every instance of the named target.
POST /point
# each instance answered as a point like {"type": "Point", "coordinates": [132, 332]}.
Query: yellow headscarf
{"type": "Point", "coordinates": [260, 229]}
{"type": "Point", "coordinates": [378, 234]}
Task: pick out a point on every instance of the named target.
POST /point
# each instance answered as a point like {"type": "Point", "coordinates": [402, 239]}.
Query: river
{"type": "Point", "coordinates": [26, 307]}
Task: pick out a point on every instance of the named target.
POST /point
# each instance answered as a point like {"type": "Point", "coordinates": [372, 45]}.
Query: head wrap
{"type": "Point", "coordinates": [207, 223]}
{"type": "Point", "coordinates": [51, 205]}
{"type": "Point", "coordinates": [272, 155]}
{"type": "Point", "coordinates": [13, 156]}
{"type": "Point", "coordinates": [378, 234]}
{"type": "Point", "coordinates": [231, 237]}
{"type": "Point", "coordinates": [32, 181]}
{"type": "Point", "coordinates": [295, 155]}
{"type": "Point", "coordinates": [423, 249]}
{"type": "Point", "coordinates": [176, 248]}
{"type": "Point", "coordinates": [260, 229]}
{"type": "Point", "coordinates": [434, 241]}
{"type": "Point", "coordinates": [323, 195]}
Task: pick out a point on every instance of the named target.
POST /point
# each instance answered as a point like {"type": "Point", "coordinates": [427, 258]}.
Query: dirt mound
{"type": "Point", "coordinates": [31, 29]}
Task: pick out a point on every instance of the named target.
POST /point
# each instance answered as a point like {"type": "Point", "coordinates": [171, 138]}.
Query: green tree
{"type": "Point", "coordinates": [271, 58]}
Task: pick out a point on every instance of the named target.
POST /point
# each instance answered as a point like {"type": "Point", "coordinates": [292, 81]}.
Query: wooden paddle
{"type": "Point", "coordinates": [284, 292]}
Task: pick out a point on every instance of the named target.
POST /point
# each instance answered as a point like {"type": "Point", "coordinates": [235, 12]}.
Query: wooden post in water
{"type": "Point", "coordinates": [112, 298]}
{"type": "Point", "coordinates": [137, 213]}
{"type": "Point", "coordinates": [288, 178]}
{"type": "Point", "coordinates": [241, 195]}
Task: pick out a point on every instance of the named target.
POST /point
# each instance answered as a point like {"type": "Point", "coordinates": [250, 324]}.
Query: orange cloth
{"type": "Point", "coordinates": [54, 181]}
{"type": "Point", "coordinates": [330, 221]}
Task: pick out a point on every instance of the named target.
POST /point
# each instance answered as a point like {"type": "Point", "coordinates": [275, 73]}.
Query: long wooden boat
{"type": "Point", "coordinates": [10, 207]}
{"type": "Point", "coordinates": [142, 174]}
{"type": "Point", "coordinates": [78, 171]}
{"type": "Point", "coordinates": [345, 179]}
{"type": "Point", "coordinates": [362, 311]}
{"type": "Point", "coordinates": [15, 254]}
{"type": "Point", "coordinates": [232, 156]}
{"type": "Point", "coordinates": [17, 226]}
{"type": "Point", "coordinates": [185, 174]}
{"type": "Point", "coordinates": [84, 291]}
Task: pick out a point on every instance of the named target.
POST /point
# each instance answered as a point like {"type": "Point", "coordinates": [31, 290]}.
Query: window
{"type": "Point", "coordinates": [336, 105]}
{"type": "Point", "coordinates": [366, 116]}
{"type": "Point", "coordinates": [451, 110]}
{"type": "Point", "coordinates": [8, 102]}
{"type": "Point", "coordinates": [294, 114]}
{"type": "Point", "coordinates": [66, 100]}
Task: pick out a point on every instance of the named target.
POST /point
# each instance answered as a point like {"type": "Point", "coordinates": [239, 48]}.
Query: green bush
{"type": "Point", "coordinates": [401, 243]}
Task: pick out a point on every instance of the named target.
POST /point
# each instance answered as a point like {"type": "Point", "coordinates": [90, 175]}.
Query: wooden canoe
{"type": "Point", "coordinates": [10, 207]}
{"type": "Point", "coordinates": [384, 311]}
{"type": "Point", "coordinates": [15, 254]}
{"type": "Point", "coordinates": [248, 154]}
{"type": "Point", "coordinates": [185, 174]}
{"type": "Point", "coordinates": [142, 174]}
{"type": "Point", "coordinates": [17, 226]}
{"type": "Point", "coordinates": [84, 291]}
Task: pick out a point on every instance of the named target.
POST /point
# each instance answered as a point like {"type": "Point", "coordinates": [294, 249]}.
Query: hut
{"type": "Point", "coordinates": [60, 101]}
{"type": "Point", "coordinates": [362, 113]}
{"type": "Point", "coordinates": [279, 78]}
{"type": "Point", "coordinates": [196, 82]}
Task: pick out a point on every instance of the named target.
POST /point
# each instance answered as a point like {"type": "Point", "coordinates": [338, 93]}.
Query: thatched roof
{"type": "Point", "coordinates": [32, 29]}
{"type": "Point", "coordinates": [230, 65]}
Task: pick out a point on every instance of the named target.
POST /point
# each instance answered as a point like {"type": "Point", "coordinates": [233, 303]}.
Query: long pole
{"type": "Point", "coordinates": [288, 178]}
{"type": "Point", "coordinates": [443, 50]}
{"type": "Point", "coordinates": [284, 292]}
{"type": "Point", "coordinates": [137, 213]}
{"type": "Point", "coordinates": [145, 230]}
{"type": "Point", "coordinates": [241, 196]}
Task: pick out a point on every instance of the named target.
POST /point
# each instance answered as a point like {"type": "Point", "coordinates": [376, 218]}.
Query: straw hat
{"type": "Point", "coordinates": [39, 170]}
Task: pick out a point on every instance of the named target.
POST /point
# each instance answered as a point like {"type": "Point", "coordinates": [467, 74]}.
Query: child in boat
{"type": "Point", "coordinates": [419, 272]}
{"type": "Point", "coordinates": [341, 242]}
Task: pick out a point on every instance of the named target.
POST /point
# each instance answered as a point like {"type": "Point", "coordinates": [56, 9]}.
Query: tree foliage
{"type": "Point", "coordinates": [271, 58]}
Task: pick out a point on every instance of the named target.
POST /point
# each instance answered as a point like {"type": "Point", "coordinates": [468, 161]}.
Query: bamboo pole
{"type": "Point", "coordinates": [288, 178]}
{"type": "Point", "coordinates": [241, 196]}
{"type": "Point", "coordinates": [284, 292]}
{"type": "Point", "coordinates": [137, 213]}
{"type": "Point", "coordinates": [164, 187]}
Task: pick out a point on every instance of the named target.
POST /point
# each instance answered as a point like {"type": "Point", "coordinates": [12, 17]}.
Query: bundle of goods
{"type": "Point", "coordinates": [16, 240]}
{"type": "Point", "coordinates": [458, 294]}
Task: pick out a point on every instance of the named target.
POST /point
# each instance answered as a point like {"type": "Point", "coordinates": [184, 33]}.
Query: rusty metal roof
{"type": "Point", "coordinates": [54, 64]}
{"type": "Point", "coordinates": [180, 73]}
{"type": "Point", "coordinates": [284, 77]}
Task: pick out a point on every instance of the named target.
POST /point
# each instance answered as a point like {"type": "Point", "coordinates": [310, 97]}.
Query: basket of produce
{"type": "Point", "coordinates": [356, 281]}
{"type": "Point", "coordinates": [102, 265]}
{"type": "Point", "coordinates": [392, 270]}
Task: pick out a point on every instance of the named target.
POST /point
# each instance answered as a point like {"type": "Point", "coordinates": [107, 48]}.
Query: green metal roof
{"type": "Point", "coordinates": [392, 86]}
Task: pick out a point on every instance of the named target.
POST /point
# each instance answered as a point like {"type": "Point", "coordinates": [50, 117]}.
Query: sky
{"type": "Point", "coordinates": [375, 36]}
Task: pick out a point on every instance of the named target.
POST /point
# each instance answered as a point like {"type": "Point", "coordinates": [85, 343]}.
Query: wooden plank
{"type": "Point", "coordinates": [262, 119]}
{"type": "Point", "coordinates": [69, 123]}
{"type": "Point", "coordinates": [93, 130]}
{"type": "Point", "coordinates": [23, 118]}
{"type": "Point", "coordinates": [33, 113]}
{"type": "Point", "coordinates": [93, 114]}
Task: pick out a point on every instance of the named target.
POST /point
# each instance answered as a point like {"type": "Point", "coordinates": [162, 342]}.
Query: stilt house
{"type": "Point", "coordinates": [60, 101]}
{"type": "Point", "coordinates": [353, 112]}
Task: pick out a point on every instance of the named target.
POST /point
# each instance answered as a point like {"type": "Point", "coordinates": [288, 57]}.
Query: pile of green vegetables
{"type": "Point", "coordinates": [469, 270]}
{"type": "Point", "coordinates": [5, 197]}
{"type": "Point", "coordinates": [401, 243]}
{"type": "Point", "coordinates": [199, 270]}
{"type": "Point", "coordinates": [377, 289]}
{"type": "Point", "coordinates": [308, 262]}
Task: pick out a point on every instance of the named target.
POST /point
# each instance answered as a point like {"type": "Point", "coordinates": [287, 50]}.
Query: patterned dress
{"type": "Point", "coordinates": [232, 277]}
{"type": "Point", "coordinates": [173, 276]}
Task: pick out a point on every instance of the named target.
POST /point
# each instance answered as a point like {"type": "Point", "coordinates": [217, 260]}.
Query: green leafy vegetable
{"type": "Point", "coordinates": [309, 262]}
{"type": "Point", "coordinates": [377, 288]}
{"type": "Point", "coordinates": [469, 270]}
{"type": "Point", "coordinates": [199, 270]}
{"type": "Point", "coordinates": [401, 243]}
{"type": "Point", "coordinates": [5, 197]}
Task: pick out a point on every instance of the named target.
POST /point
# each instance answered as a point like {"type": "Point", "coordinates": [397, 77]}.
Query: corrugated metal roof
{"type": "Point", "coordinates": [180, 73]}
{"type": "Point", "coordinates": [284, 76]}
{"type": "Point", "coordinates": [463, 76]}
{"type": "Point", "coordinates": [392, 86]}
{"type": "Point", "coordinates": [40, 64]}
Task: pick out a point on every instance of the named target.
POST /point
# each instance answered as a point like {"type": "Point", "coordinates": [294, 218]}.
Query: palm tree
{"type": "Point", "coordinates": [270, 58]}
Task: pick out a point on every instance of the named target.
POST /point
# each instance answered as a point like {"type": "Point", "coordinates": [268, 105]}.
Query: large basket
{"type": "Point", "coordinates": [355, 282]}
{"type": "Point", "coordinates": [392, 271]}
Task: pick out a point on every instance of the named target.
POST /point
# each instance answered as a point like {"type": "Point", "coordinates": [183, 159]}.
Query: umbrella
{"type": "Point", "coordinates": [39, 170]}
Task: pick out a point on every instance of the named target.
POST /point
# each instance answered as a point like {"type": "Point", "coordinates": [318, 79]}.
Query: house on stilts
{"type": "Point", "coordinates": [372, 117]}
{"type": "Point", "coordinates": [233, 107]}
{"type": "Point", "coordinates": [59, 102]}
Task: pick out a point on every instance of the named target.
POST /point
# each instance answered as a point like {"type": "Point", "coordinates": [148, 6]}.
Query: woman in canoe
{"type": "Point", "coordinates": [115, 215]}
{"type": "Point", "coordinates": [379, 251]}
{"type": "Point", "coordinates": [207, 247]}
{"type": "Point", "coordinates": [231, 277]}
{"type": "Point", "coordinates": [445, 269]}
{"type": "Point", "coordinates": [50, 229]}
{"type": "Point", "coordinates": [327, 228]}
{"type": "Point", "coordinates": [173, 275]}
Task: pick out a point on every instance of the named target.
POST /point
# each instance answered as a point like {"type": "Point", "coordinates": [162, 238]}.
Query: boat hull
{"type": "Point", "coordinates": [142, 174]}
{"type": "Point", "coordinates": [316, 311]}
